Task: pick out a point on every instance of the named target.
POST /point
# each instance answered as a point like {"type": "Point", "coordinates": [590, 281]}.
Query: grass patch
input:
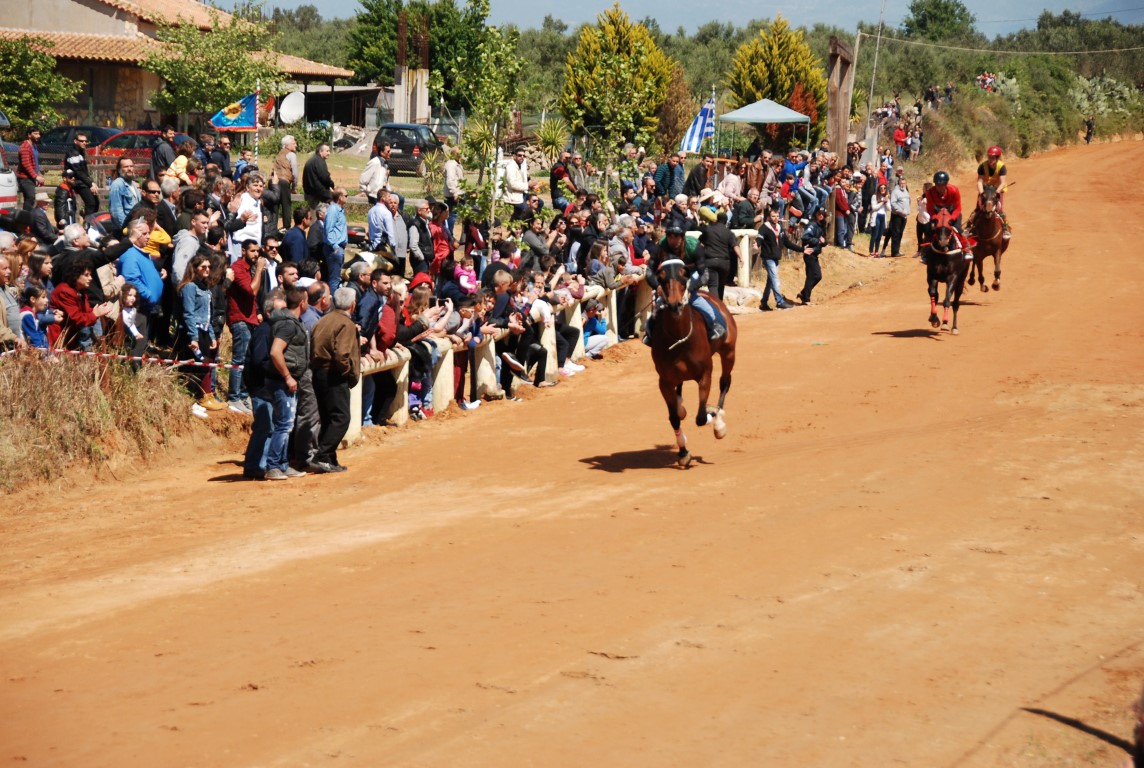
{"type": "Point", "coordinates": [55, 414]}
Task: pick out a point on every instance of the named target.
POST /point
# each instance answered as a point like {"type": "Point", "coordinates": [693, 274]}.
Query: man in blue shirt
{"type": "Point", "coordinates": [124, 193]}
{"type": "Point", "coordinates": [294, 247]}
{"type": "Point", "coordinates": [380, 229]}
{"type": "Point", "coordinates": [137, 268]}
{"type": "Point", "coordinates": [337, 236]}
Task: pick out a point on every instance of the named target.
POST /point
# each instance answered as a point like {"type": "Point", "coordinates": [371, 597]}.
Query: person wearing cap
{"type": "Point", "coordinates": [813, 240]}
{"type": "Point", "coordinates": [721, 250]}
{"type": "Point", "coordinates": [945, 196]}
{"type": "Point", "coordinates": [992, 173]}
{"type": "Point", "coordinates": [42, 228]}
{"type": "Point", "coordinates": [676, 246]}
{"type": "Point", "coordinates": [65, 199]}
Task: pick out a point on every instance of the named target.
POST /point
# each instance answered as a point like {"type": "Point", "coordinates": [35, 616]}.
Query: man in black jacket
{"type": "Point", "coordinates": [163, 153]}
{"type": "Point", "coordinates": [42, 226]}
{"type": "Point", "coordinates": [699, 176]}
{"type": "Point", "coordinates": [316, 181]}
{"type": "Point", "coordinates": [76, 160]}
{"type": "Point", "coordinates": [772, 239]}
{"type": "Point", "coordinates": [813, 240]}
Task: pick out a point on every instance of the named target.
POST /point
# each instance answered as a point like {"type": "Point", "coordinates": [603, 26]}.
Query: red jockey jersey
{"type": "Point", "coordinates": [950, 200]}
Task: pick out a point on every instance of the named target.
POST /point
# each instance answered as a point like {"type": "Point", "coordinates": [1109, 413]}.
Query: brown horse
{"type": "Point", "coordinates": [945, 263]}
{"type": "Point", "coordinates": [990, 235]}
{"type": "Point", "coordinates": [682, 352]}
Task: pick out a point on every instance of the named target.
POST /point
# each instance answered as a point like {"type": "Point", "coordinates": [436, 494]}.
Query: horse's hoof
{"type": "Point", "coordinates": [945, 326]}
{"type": "Point", "coordinates": [984, 288]}
{"type": "Point", "coordinates": [935, 323]}
{"type": "Point", "coordinates": [684, 461]}
{"type": "Point", "coordinates": [719, 426]}
{"type": "Point", "coordinates": [954, 331]}
{"type": "Point", "coordinates": [996, 285]}
{"type": "Point", "coordinates": [972, 279]}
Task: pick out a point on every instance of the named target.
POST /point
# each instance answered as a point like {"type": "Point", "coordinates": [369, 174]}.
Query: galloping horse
{"type": "Point", "coordinates": [989, 232]}
{"type": "Point", "coordinates": [945, 263]}
{"type": "Point", "coordinates": [682, 352]}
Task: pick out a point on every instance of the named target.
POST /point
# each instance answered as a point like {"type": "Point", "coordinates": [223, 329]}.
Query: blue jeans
{"type": "Point", "coordinates": [256, 450]}
{"type": "Point", "coordinates": [773, 283]}
{"type": "Point", "coordinates": [335, 257]}
{"type": "Point", "coordinates": [877, 232]}
{"type": "Point", "coordinates": [700, 302]}
{"type": "Point", "coordinates": [560, 204]}
{"type": "Point", "coordinates": [285, 406]}
{"type": "Point", "coordinates": [240, 343]}
{"type": "Point", "coordinates": [841, 231]}
{"type": "Point", "coordinates": [368, 388]}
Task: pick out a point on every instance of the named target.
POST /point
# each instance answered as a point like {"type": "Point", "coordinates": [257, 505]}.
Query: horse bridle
{"type": "Point", "coordinates": [686, 299]}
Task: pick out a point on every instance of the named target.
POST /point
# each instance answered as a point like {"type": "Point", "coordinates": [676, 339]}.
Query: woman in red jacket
{"type": "Point", "coordinates": [71, 298]}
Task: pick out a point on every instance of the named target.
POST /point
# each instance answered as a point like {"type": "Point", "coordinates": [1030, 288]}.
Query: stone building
{"type": "Point", "coordinates": [102, 44]}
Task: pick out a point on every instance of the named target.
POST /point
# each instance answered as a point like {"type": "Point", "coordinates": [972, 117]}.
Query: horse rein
{"type": "Point", "coordinates": [686, 300]}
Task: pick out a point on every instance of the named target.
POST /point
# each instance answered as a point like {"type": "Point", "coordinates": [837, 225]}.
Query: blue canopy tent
{"type": "Point", "coordinates": [767, 111]}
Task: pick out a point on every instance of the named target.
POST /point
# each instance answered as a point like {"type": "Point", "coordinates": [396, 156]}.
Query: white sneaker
{"type": "Point", "coordinates": [566, 371]}
{"type": "Point", "coordinates": [574, 366]}
{"type": "Point", "coordinates": [198, 411]}
{"type": "Point", "coordinates": [470, 405]}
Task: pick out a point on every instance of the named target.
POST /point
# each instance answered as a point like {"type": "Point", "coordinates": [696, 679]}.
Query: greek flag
{"type": "Point", "coordinates": [701, 127]}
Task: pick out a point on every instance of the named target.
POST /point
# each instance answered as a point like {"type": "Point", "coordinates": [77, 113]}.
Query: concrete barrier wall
{"type": "Point", "coordinates": [397, 361]}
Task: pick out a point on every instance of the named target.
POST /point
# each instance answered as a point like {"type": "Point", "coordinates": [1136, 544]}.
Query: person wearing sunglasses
{"type": "Point", "coordinates": [85, 188]}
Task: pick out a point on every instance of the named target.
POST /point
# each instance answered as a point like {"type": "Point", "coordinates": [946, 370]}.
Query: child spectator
{"type": "Point", "coordinates": [466, 275]}
{"type": "Point", "coordinates": [128, 335]}
{"type": "Point", "coordinates": [595, 329]}
{"type": "Point", "coordinates": [35, 317]}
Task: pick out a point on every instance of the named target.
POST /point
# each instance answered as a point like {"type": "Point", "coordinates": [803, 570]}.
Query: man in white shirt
{"type": "Point", "coordinates": [516, 183]}
{"type": "Point", "coordinates": [454, 174]}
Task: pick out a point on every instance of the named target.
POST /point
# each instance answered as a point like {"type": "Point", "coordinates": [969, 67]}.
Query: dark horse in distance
{"type": "Point", "coordinates": [946, 263]}
{"type": "Point", "coordinates": [682, 352]}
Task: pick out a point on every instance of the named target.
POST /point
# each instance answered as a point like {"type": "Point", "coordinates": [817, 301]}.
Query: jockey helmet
{"type": "Point", "coordinates": [995, 151]}
{"type": "Point", "coordinates": [941, 177]}
{"type": "Point", "coordinates": [674, 229]}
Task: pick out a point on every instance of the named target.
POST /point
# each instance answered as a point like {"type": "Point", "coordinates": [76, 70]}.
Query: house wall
{"type": "Point", "coordinates": [118, 95]}
{"type": "Point", "coordinates": [84, 16]}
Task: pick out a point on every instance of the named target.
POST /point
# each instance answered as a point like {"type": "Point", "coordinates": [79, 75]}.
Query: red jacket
{"type": "Point", "coordinates": [242, 296]}
{"type": "Point", "coordinates": [841, 202]}
{"type": "Point", "coordinates": [950, 200]}
{"type": "Point", "coordinates": [386, 328]}
{"type": "Point", "coordinates": [77, 312]}
{"type": "Point", "coordinates": [27, 168]}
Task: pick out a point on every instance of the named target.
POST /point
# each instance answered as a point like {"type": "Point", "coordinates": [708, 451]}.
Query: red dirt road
{"type": "Point", "coordinates": [906, 542]}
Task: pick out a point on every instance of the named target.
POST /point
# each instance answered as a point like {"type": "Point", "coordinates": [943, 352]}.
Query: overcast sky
{"type": "Point", "coordinates": [993, 18]}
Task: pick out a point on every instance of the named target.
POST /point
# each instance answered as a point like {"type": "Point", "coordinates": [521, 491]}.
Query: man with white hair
{"type": "Point", "coordinates": [10, 333]}
{"type": "Point", "coordinates": [335, 360]}
{"type": "Point", "coordinates": [286, 166]}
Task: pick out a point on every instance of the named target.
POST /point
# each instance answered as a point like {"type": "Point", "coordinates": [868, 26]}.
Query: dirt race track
{"type": "Point", "coordinates": [912, 549]}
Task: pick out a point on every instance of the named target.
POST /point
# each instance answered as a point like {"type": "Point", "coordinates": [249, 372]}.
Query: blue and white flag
{"type": "Point", "coordinates": [701, 127]}
{"type": "Point", "coordinates": [240, 116]}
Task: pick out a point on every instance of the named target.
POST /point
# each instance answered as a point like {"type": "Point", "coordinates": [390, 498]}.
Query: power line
{"type": "Point", "coordinates": [1103, 14]}
{"type": "Point", "coordinates": [991, 50]}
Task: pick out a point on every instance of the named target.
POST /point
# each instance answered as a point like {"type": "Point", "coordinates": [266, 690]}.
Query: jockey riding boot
{"type": "Point", "coordinates": [1005, 231]}
{"type": "Point", "coordinates": [647, 330]}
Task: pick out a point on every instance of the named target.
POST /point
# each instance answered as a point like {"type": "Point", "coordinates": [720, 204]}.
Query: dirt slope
{"type": "Point", "coordinates": [906, 542]}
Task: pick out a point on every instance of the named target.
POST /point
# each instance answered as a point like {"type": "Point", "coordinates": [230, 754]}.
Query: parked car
{"type": "Point", "coordinates": [409, 144]}
{"type": "Point", "coordinates": [11, 151]}
{"type": "Point", "coordinates": [8, 187]}
{"type": "Point", "coordinates": [55, 142]}
{"type": "Point", "coordinates": [134, 144]}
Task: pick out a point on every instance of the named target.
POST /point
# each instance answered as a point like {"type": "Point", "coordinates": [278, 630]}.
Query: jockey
{"type": "Point", "coordinates": [943, 195]}
{"type": "Point", "coordinates": [994, 174]}
{"type": "Point", "coordinates": [676, 246]}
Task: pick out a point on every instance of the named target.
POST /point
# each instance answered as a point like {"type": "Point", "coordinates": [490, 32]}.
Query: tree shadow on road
{"type": "Point", "coordinates": [660, 457]}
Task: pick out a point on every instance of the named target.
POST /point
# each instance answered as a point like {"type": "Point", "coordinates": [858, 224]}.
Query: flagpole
{"type": "Point", "coordinates": [257, 98]}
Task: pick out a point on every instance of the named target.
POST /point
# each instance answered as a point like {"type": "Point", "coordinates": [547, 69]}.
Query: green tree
{"type": "Point", "coordinates": [615, 81]}
{"type": "Point", "coordinates": [939, 20]}
{"type": "Point", "coordinates": [677, 112]}
{"type": "Point", "coordinates": [543, 52]}
{"type": "Point", "coordinates": [772, 66]}
{"type": "Point", "coordinates": [206, 70]}
{"type": "Point", "coordinates": [303, 32]}
{"type": "Point", "coordinates": [453, 32]}
{"type": "Point", "coordinates": [29, 85]}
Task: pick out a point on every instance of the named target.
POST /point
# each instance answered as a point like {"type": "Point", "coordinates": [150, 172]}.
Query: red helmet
{"type": "Point", "coordinates": [995, 151]}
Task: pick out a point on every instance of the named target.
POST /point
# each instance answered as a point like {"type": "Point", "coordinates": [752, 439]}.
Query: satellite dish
{"type": "Point", "coordinates": [293, 108]}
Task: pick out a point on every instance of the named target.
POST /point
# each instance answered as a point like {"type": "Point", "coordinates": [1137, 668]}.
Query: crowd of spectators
{"type": "Point", "coordinates": [200, 253]}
